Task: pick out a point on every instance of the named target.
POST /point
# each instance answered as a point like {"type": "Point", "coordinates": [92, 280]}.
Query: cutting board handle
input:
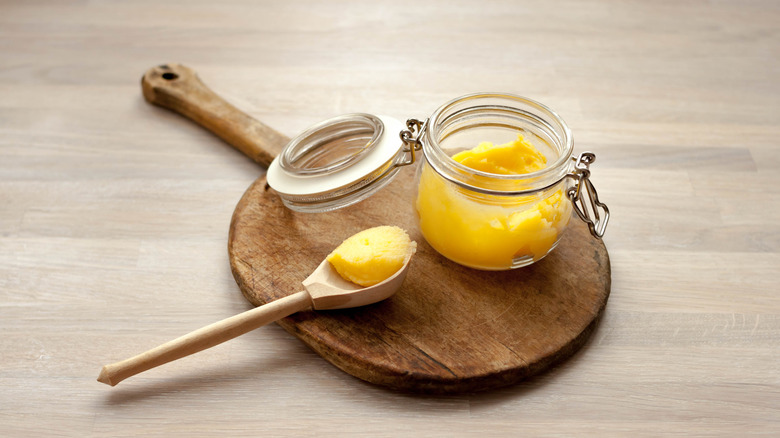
{"type": "Point", "coordinates": [179, 89]}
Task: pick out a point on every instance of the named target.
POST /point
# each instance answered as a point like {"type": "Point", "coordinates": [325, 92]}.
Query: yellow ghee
{"type": "Point", "coordinates": [486, 231]}
{"type": "Point", "coordinates": [371, 256]}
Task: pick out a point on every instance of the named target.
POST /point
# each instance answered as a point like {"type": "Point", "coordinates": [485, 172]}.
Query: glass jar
{"type": "Point", "coordinates": [488, 220]}
{"type": "Point", "coordinates": [491, 221]}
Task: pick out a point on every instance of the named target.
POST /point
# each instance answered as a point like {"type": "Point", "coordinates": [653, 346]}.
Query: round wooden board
{"type": "Point", "coordinates": [449, 328]}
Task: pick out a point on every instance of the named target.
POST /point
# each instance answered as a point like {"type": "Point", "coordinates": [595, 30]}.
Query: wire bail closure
{"type": "Point", "coordinates": [588, 206]}
{"type": "Point", "coordinates": [411, 138]}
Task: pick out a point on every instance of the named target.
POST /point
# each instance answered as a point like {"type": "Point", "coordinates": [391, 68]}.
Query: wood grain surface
{"type": "Point", "coordinates": [115, 214]}
{"type": "Point", "coordinates": [449, 329]}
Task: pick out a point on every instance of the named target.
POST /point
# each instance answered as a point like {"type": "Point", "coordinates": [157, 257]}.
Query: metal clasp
{"type": "Point", "coordinates": [587, 207]}
{"type": "Point", "coordinates": [411, 138]}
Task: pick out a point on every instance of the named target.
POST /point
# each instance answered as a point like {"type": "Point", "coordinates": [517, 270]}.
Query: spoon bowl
{"type": "Point", "coordinates": [328, 290]}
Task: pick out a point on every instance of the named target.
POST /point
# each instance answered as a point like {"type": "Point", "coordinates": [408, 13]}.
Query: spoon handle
{"type": "Point", "coordinates": [205, 337]}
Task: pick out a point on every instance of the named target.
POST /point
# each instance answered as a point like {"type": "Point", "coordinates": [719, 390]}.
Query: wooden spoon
{"type": "Point", "coordinates": [324, 289]}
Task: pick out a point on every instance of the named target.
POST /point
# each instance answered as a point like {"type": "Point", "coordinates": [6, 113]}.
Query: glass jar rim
{"type": "Point", "coordinates": [323, 135]}
{"type": "Point", "coordinates": [345, 180]}
{"type": "Point", "coordinates": [539, 180]}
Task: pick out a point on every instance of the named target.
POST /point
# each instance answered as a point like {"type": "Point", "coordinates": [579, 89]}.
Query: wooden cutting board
{"type": "Point", "coordinates": [450, 328]}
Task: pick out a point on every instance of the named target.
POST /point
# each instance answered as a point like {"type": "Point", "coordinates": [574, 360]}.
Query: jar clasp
{"type": "Point", "coordinates": [412, 140]}
{"type": "Point", "coordinates": [587, 207]}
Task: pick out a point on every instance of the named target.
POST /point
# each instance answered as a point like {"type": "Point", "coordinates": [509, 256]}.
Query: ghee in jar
{"type": "Point", "coordinates": [488, 231]}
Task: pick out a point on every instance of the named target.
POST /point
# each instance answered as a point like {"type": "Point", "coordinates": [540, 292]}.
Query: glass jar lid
{"type": "Point", "coordinates": [337, 162]}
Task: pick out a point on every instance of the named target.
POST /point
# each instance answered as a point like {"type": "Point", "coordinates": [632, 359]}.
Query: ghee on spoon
{"type": "Point", "coordinates": [324, 289]}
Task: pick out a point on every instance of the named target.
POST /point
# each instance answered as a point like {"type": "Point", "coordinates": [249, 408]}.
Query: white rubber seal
{"type": "Point", "coordinates": [386, 148]}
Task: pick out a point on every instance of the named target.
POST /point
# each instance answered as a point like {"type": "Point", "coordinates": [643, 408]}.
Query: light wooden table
{"type": "Point", "coordinates": [114, 214]}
